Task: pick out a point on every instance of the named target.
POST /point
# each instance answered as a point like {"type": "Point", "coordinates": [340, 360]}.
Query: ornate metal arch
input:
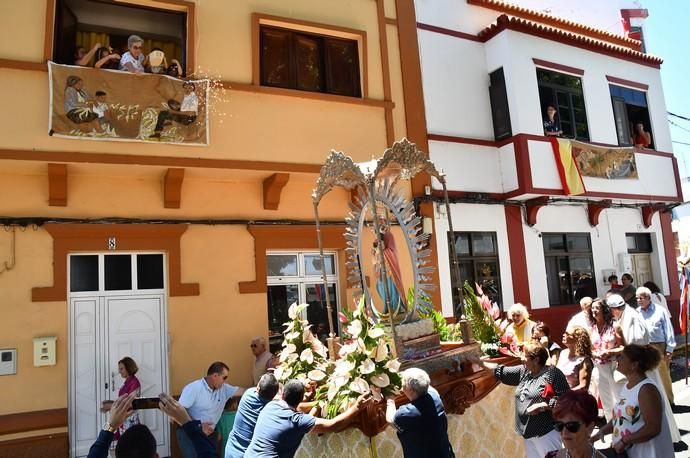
{"type": "Point", "coordinates": [416, 241]}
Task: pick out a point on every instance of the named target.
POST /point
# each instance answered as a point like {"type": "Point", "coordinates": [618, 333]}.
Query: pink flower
{"type": "Point", "coordinates": [342, 317]}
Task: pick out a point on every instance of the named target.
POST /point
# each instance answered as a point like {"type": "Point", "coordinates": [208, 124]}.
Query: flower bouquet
{"type": "Point", "coordinates": [365, 363]}
{"type": "Point", "coordinates": [303, 356]}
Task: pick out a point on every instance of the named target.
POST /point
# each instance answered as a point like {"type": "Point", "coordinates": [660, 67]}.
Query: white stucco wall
{"type": "Point", "coordinates": [608, 240]}
{"type": "Point", "coordinates": [468, 166]}
{"type": "Point", "coordinates": [472, 218]}
{"type": "Point", "coordinates": [454, 15]}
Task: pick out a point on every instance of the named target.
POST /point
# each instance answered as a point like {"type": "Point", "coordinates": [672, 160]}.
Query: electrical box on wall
{"type": "Point", "coordinates": [8, 361]}
{"type": "Point", "coordinates": [625, 263]}
{"type": "Point", "coordinates": [44, 351]}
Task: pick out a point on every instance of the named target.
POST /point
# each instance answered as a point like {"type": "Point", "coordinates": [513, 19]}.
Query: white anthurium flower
{"type": "Point", "coordinates": [319, 349]}
{"type": "Point", "coordinates": [381, 351]}
{"type": "Point", "coordinates": [361, 345]}
{"type": "Point", "coordinates": [291, 348]}
{"type": "Point", "coordinates": [301, 377]}
{"type": "Point", "coordinates": [381, 380]}
{"type": "Point", "coordinates": [292, 311]}
{"type": "Point", "coordinates": [375, 333]}
{"type": "Point", "coordinates": [343, 367]}
{"type": "Point", "coordinates": [287, 351]}
{"type": "Point", "coordinates": [356, 313]}
{"type": "Point", "coordinates": [292, 357]}
{"type": "Point", "coordinates": [332, 391]}
{"type": "Point", "coordinates": [339, 382]}
{"type": "Point", "coordinates": [289, 326]}
{"type": "Point", "coordinates": [292, 335]}
{"type": "Point", "coordinates": [393, 365]}
{"type": "Point", "coordinates": [316, 375]}
{"type": "Point", "coordinates": [307, 356]}
{"type": "Point", "coordinates": [355, 328]}
{"type": "Point", "coordinates": [278, 372]}
{"type": "Point", "coordinates": [307, 336]}
{"type": "Point", "coordinates": [347, 349]}
{"type": "Point", "coordinates": [359, 385]}
{"type": "Point", "coordinates": [367, 367]}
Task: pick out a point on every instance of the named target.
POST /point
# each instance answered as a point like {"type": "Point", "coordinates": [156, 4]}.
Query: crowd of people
{"type": "Point", "coordinates": [611, 355]}
{"type": "Point", "coordinates": [616, 353]}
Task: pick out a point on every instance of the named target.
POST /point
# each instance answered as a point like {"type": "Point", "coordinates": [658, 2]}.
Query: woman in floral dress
{"type": "Point", "coordinates": [127, 369]}
{"type": "Point", "coordinates": [607, 342]}
{"type": "Point", "coordinates": [639, 426]}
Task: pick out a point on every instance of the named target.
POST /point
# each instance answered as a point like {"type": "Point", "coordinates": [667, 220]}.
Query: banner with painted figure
{"type": "Point", "coordinates": [605, 162]}
{"type": "Point", "coordinates": [89, 103]}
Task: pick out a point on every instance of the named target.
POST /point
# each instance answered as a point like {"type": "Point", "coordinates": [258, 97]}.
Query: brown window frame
{"type": "Point", "coordinates": [310, 29]}
{"type": "Point", "coordinates": [322, 44]}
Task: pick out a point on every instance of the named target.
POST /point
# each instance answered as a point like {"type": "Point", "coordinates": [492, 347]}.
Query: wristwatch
{"type": "Point", "coordinates": [108, 427]}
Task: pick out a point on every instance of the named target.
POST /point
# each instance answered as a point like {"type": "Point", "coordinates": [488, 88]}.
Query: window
{"type": "Point", "coordinates": [84, 23]}
{"type": "Point", "coordinates": [565, 93]}
{"type": "Point", "coordinates": [569, 268]}
{"type": "Point", "coordinates": [500, 111]}
{"type": "Point", "coordinates": [297, 277]}
{"type": "Point", "coordinates": [308, 62]}
{"type": "Point", "coordinates": [477, 255]}
{"type": "Point", "coordinates": [115, 272]}
{"type": "Point", "coordinates": [638, 243]}
{"type": "Point", "coordinates": [629, 110]}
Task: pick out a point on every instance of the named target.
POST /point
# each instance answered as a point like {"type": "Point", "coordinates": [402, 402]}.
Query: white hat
{"type": "Point", "coordinates": [615, 301]}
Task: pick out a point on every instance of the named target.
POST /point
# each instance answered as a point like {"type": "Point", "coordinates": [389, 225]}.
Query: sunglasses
{"type": "Point", "coordinates": [572, 426]}
{"type": "Point", "coordinates": [253, 345]}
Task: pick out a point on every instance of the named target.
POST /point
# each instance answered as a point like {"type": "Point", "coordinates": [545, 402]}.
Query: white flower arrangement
{"type": "Point", "coordinates": [365, 363]}
{"type": "Point", "coordinates": [303, 356]}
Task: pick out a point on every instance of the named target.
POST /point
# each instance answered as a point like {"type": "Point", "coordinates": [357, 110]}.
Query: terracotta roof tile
{"type": "Point", "coordinates": [560, 23]}
{"type": "Point", "coordinates": [505, 22]}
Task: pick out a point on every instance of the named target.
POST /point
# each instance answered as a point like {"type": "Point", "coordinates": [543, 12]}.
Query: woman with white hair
{"type": "Point", "coordinates": [133, 59]}
{"type": "Point", "coordinates": [521, 328]}
{"type": "Point", "coordinates": [422, 424]}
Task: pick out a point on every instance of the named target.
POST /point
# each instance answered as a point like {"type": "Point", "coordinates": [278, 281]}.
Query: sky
{"type": "Point", "coordinates": [667, 35]}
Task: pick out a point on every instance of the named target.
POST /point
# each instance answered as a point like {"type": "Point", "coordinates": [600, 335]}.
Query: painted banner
{"type": "Point", "coordinates": [89, 103]}
{"type": "Point", "coordinates": [604, 162]}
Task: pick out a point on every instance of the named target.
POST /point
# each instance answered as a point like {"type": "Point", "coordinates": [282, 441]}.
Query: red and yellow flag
{"type": "Point", "coordinates": [567, 168]}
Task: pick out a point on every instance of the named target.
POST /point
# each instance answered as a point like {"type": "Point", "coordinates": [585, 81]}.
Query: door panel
{"type": "Point", "coordinates": [642, 268]}
{"type": "Point", "coordinates": [134, 329]}
{"type": "Point", "coordinates": [86, 396]}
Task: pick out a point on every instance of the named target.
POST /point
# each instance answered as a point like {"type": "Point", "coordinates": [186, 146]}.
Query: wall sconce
{"type": "Point", "coordinates": [427, 225]}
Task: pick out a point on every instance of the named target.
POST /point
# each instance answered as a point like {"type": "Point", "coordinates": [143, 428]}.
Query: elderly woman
{"type": "Point", "coordinates": [538, 388]}
{"type": "Point", "coordinates": [639, 426]}
{"type": "Point", "coordinates": [607, 343]}
{"type": "Point", "coordinates": [521, 328]}
{"type": "Point", "coordinates": [575, 416]}
{"type": "Point", "coordinates": [422, 424]}
{"type": "Point", "coordinates": [133, 59]}
{"type": "Point", "coordinates": [575, 361]}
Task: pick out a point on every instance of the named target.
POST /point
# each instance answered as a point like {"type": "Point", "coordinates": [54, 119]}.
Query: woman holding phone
{"type": "Point", "coordinates": [127, 369]}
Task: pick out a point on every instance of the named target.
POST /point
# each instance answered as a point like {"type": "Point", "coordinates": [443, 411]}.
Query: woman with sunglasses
{"type": "Point", "coordinates": [575, 416]}
{"type": "Point", "coordinates": [576, 360]}
{"type": "Point", "coordinates": [538, 388]}
{"type": "Point", "coordinates": [639, 426]}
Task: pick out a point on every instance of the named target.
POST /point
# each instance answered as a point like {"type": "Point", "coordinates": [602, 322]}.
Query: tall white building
{"type": "Point", "coordinates": [489, 70]}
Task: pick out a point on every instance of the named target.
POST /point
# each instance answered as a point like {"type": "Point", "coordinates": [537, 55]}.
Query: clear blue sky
{"type": "Point", "coordinates": [667, 34]}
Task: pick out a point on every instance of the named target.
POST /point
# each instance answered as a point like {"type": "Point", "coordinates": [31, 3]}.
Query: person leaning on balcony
{"type": "Point", "coordinates": [422, 425]}
{"type": "Point", "coordinates": [641, 138]}
{"type": "Point", "coordinates": [107, 59]}
{"type": "Point", "coordinates": [133, 59]}
{"type": "Point", "coordinates": [538, 388]}
{"type": "Point", "coordinates": [552, 127]}
{"type": "Point", "coordinates": [521, 327]}
{"type": "Point", "coordinates": [82, 57]}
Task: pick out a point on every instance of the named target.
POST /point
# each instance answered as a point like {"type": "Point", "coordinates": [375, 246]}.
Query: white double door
{"type": "Point", "coordinates": [104, 330]}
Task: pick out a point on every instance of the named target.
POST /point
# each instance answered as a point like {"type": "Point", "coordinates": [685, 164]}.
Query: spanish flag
{"type": "Point", "coordinates": [567, 168]}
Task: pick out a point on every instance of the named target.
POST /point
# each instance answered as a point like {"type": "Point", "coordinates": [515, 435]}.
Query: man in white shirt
{"type": "Point", "coordinates": [186, 114]}
{"type": "Point", "coordinates": [205, 400]}
{"type": "Point", "coordinates": [631, 323]}
{"type": "Point", "coordinates": [583, 317]}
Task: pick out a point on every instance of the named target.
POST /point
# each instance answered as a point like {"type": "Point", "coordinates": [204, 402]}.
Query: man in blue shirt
{"type": "Point", "coordinates": [205, 400]}
{"type": "Point", "coordinates": [661, 335]}
{"type": "Point", "coordinates": [422, 424]}
{"type": "Point", "coordinates": [280, 427]}
{"type": "Point", "coordinates": [252, 403]}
